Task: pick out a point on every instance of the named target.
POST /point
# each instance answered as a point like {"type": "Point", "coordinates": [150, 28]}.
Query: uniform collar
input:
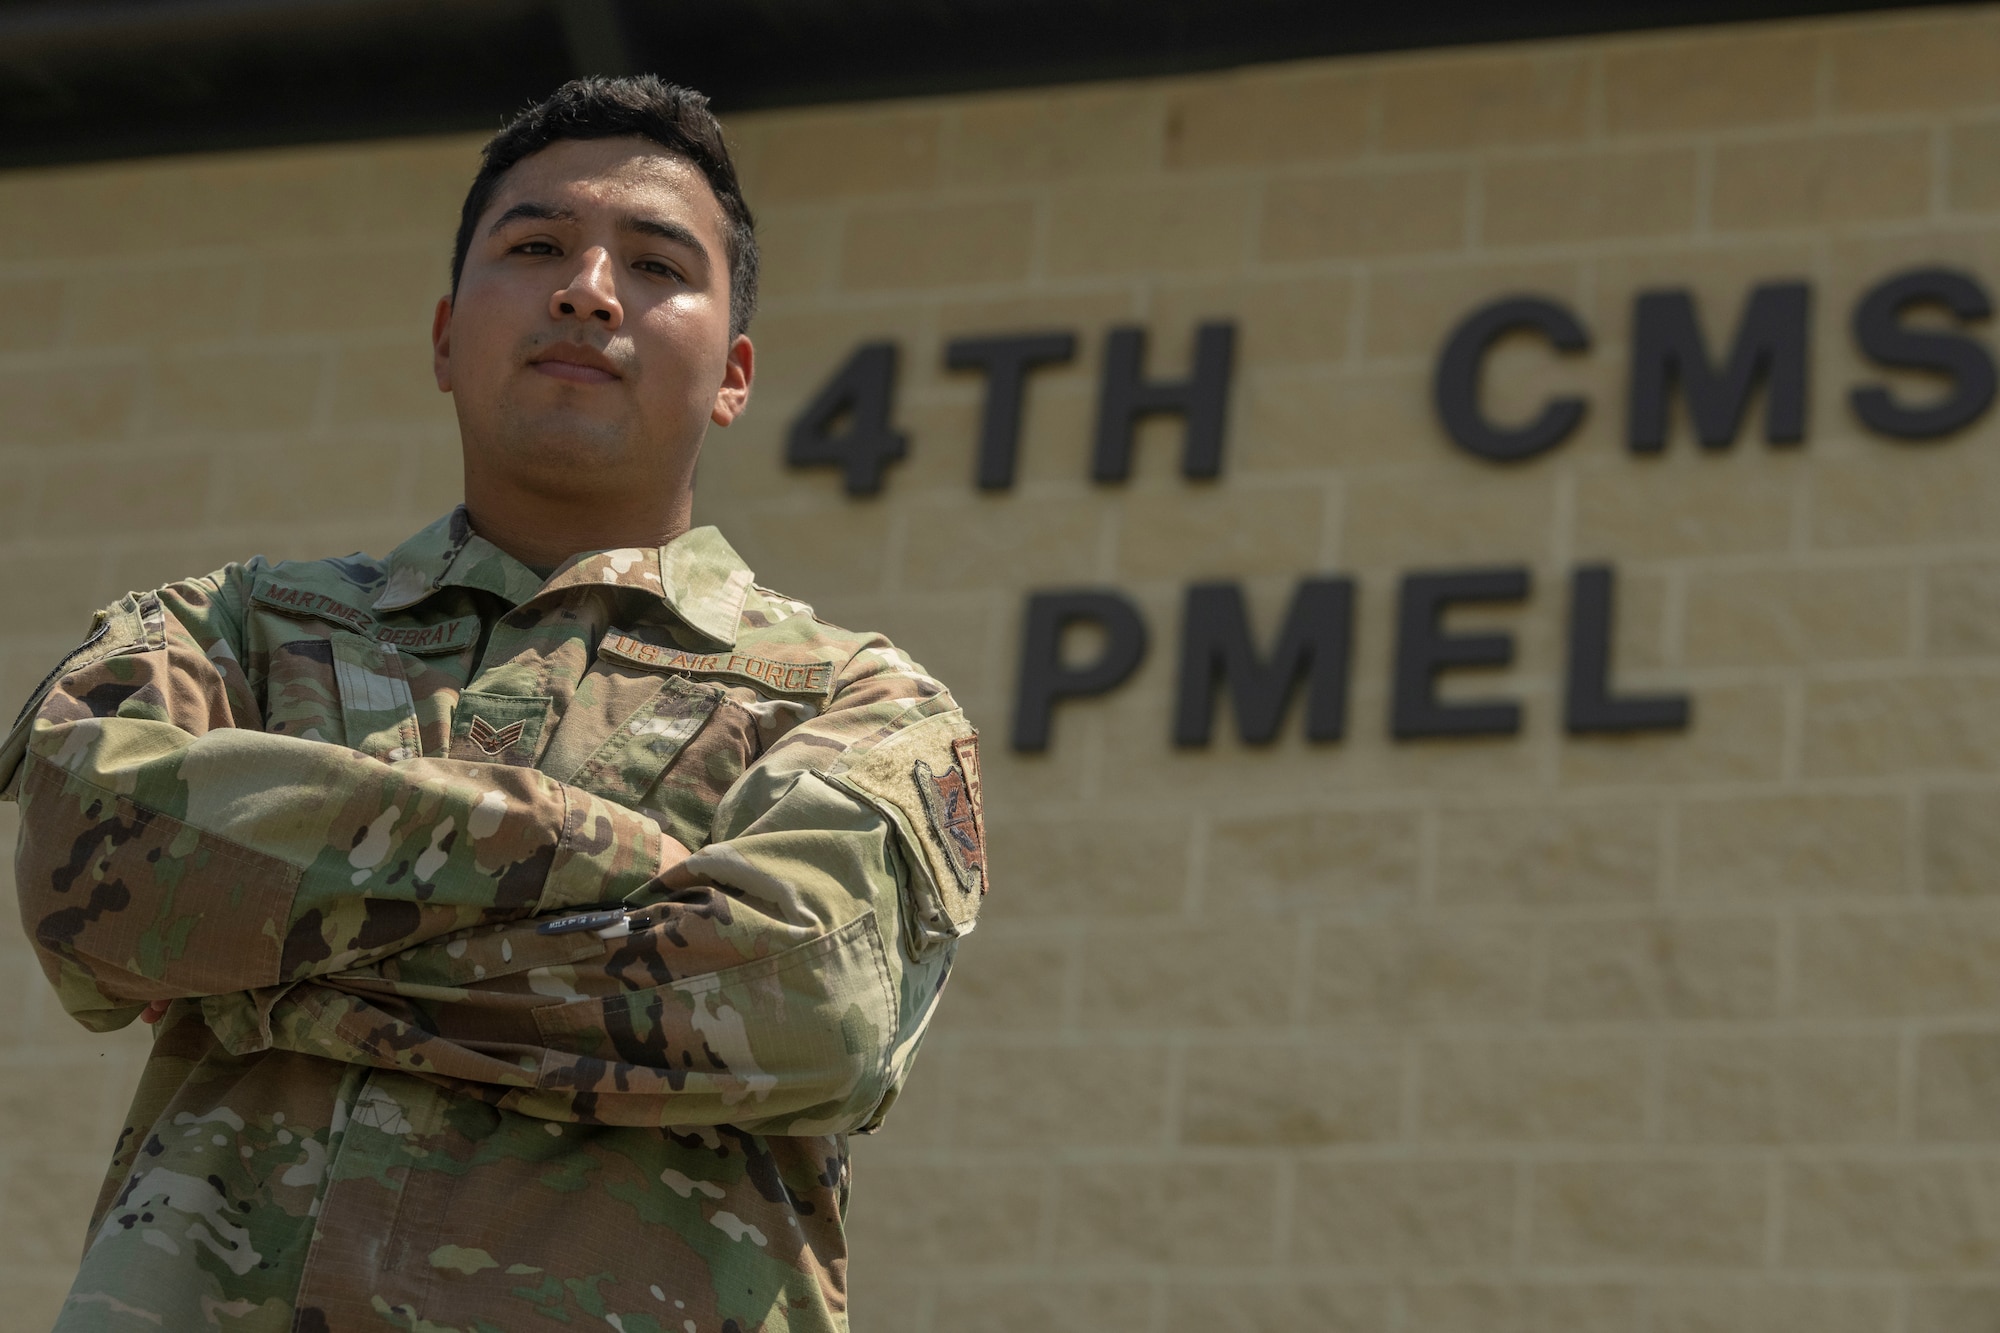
{"type": "Point", "coordinates": [697, 575]}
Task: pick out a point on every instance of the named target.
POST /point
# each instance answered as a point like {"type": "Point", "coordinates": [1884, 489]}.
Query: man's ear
{"type": "Point", "coordinates": [737, 372]}
{"type": "Point", "coordinates": [441, 344]}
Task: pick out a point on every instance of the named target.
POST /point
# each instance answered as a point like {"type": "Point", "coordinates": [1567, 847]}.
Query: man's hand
{"type": "Point", "coordinates": [155, 1011]}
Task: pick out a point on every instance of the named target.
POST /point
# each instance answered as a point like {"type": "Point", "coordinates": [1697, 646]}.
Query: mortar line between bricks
{"type": "Point", "coordinates": [1652, 1129]}
{"type": "Point", "coordinates": [1284, 1205]}
{"type": "Point", "coordinates": [1939, 160]}
{"type": "Point", "coordinates": [1916, 871]}
{"type": "Point", "coordinates": [1521, 1249]}
{"type": "Point", "coordinates": [1906, 1082]}
{"type": "Point", "coordinates": [1430, 839]}
{"type": "Point", "coordinates": [1774, 1213]}
{"type": "Point", "coordinates": [1361, 284]}
{"type": "Point", "coordinates": [1173, 1129]}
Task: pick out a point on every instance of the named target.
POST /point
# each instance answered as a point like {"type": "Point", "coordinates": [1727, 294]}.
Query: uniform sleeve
{"type": "Point", "coordinates": [170, 848]}
{"type": "Point", "coordinates": [781, 980]}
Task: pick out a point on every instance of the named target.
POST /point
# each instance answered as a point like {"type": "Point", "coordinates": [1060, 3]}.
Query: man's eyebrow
{"type": "Point", "coordinates": [666, 231]}
{"type": "Point", "coordinates": [533, 212]}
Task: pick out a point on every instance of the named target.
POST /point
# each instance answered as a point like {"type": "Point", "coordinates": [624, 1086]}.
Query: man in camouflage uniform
{"type": "Point", "coordinates": [528, 916]}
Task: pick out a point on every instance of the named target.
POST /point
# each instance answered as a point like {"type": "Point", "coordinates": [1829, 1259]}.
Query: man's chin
{"type": "Point", "coordinates": [557, 450]}
{"type": "Point", "coordinates": [569, 458]}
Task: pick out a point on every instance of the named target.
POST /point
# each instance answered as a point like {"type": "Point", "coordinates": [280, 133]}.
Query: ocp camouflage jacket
{"type": "Point", "coordinates": [361, 821]}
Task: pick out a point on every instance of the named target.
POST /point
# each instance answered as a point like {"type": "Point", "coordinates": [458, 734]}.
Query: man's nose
{"type": "Point", "coordinates": [591, 293]}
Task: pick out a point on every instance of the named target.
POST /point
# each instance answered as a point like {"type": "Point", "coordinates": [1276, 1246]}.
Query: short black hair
{"type": "Point", "coordinates": [643, 106]}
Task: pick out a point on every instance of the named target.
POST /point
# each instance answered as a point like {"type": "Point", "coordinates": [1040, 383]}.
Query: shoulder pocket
{"type": "Point", "coordinates": [132, 623]}
{"type": "Point", "coordinates": [925, 779]}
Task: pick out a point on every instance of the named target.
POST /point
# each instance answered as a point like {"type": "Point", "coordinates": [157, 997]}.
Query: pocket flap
{"type": "Point", "coordinates": [499, 728]}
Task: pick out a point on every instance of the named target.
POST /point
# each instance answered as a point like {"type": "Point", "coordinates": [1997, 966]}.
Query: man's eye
{"type": "Point", "coordinates": [534, 248]}
{"type": "Point", "coordinates": [664, 270]}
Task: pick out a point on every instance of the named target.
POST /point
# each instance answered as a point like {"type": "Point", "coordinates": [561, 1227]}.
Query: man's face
{"type": "Point", "coordinates": [588, 346]}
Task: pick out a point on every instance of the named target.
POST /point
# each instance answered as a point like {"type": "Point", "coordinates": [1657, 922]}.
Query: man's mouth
{"type": "Point", "coordinates": [575, 364]}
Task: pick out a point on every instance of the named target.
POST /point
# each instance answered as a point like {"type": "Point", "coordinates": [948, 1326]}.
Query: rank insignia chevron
{"type": "Point", "coordinates": [483, 734]}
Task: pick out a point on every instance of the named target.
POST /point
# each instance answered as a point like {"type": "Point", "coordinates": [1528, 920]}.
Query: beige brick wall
{"type": "Point", "coordinates": [1675, 1034]}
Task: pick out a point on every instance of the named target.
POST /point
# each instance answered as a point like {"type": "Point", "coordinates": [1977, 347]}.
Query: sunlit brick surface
{"type": "Point", "coordinates": [1675, 1034]}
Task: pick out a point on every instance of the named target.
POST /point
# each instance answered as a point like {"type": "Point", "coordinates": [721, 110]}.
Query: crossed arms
{"type": "Point", "coordinates": [313, 898]}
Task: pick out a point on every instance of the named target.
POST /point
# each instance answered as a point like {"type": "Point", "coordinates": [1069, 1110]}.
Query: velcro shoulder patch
{"type": "Point", "coordinates": [925, 778]}
{"type": "Point", "coordinates": [799, 680]}
{"type": "Point", "coordinates": [132, 623]}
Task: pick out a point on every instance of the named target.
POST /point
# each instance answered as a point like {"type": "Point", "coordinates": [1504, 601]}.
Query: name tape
{"type": "Point", "coordinates": [443, 637]}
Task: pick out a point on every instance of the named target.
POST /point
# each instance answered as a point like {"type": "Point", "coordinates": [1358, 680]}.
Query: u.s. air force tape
{"type": "Point", "coordinates": [804, 680]}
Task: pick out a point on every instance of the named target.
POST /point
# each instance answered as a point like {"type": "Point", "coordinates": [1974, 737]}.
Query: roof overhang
{"type": "Point", "coordinates": [91, 79]}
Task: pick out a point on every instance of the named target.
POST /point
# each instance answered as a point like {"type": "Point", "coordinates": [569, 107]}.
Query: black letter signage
{"type": "Point", "coordinates": [849, 424]}
{"type": "Point", "coordinates": [1883, 339]}
{"type": "Point", "coordinates": [1455, 391]}
{"type": "Point", "coordinates": [859, 394]}
{"type": "Point", "coordinates": [1044, 678]}
{"type": "Point", "coordinates": [1216, 646]}
{"type": "Point", "coordinates": [1589, 705]}
{"type": "Point", "coordinates": [1006, 362]}
{"type": "Point", "coordinates": [1770, 346]}
{"type": "Point", "coordinates": [1423, 649]}
{"type": "Point", "coordinates": [1126, 396]}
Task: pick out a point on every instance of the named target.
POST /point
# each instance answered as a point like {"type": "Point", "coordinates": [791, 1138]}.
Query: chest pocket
{"type": "Point", "coordinates": [376, 708]}
{"type": "Point", "coordinates": [346, 690]}
{"type": "Point", "coordinates": [625, 729]}
{"type": "Point", "coordinates": [300, 696]}
{"type": "Point", "coordinates": [347, 679]}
